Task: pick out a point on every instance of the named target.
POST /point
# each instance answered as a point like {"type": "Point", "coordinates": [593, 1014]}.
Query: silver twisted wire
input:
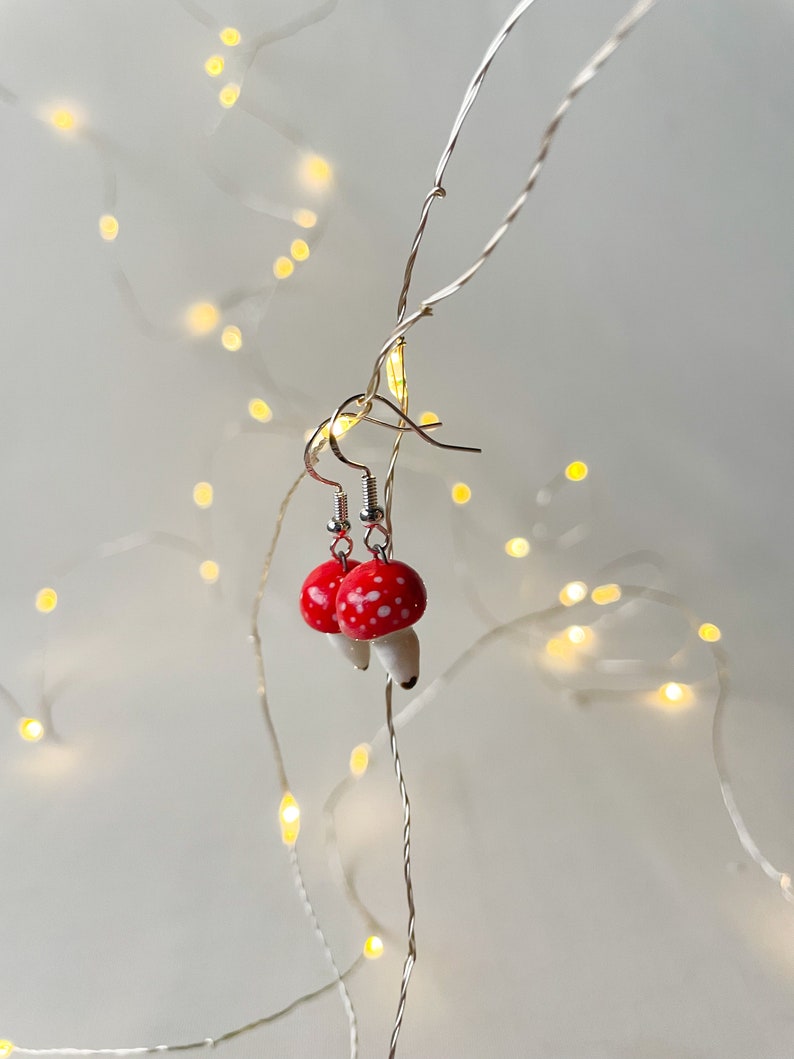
{"type": "Point", "coordinates": [410, 958]}
{"type": "Point", "coordinates": [585, 75]}
{"type": "Point", "coordinates": [256, 640]}
{"type": "Point", "coordinates": [308, 908]}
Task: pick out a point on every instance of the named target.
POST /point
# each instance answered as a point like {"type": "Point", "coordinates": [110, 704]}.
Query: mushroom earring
{"type": "Point", "coordinates": [319, 591]}
{"type": "Point", "coordinates": [381, 600]}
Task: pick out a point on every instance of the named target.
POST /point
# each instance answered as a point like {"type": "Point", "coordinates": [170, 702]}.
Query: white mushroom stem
{"type": "Point", "coordinates": [398, 653]}
{"type": "Point", "coordinates": [356, 651]}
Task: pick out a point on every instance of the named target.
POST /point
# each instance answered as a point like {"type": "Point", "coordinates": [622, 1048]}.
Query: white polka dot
{"type": "Point", "coordinates": [343, 606]}
{"type": "Point", "coordinates": [404, 612]}
{"type": "Point", "coordinates": [318, 622]}
{"type": "Point", "coordinates": [352, 619]}
{"type": "Point", "coordinates": [399, 600]}
{"type": "Point", "coordinates": [384, 612]}
{"type": "Point", "coordinates": [378, 580]}
{"type": "Point", "coordinates": [372, 621]}
{"type": "Point", "coordinates": [400, 580]}
{"type": "Point", "coordinates": [373, 596]}
{"type": "Point", "coordinates": [359, 610]}
{"type": "Point", "coordinates": [316, 594]}
{"type": "Point", "coordinates": [332, 584]}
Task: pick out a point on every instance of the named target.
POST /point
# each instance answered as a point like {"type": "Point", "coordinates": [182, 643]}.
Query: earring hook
{"type": "Point", "coordinates": [334, 443]}
{"type": "Point", "coordinates": [308, 460]}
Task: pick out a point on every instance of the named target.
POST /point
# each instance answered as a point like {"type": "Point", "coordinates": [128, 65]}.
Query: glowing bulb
{"type": "Point", "coordinates": [202, 318]}
{"type": "Point", "coordinates": [517, 547]}
{"type": "Point", "coordinates": [304, 218]}
{"type": "Point", "coordinates": [604, 594]}
{"type": "Point", "coordinates": [426, 418]}
{"type": "Point", "coordinates": [710, 633]}
{"type": "Point", "coordinates": [461, 493]}
{"type": "Point", "coordinates": [209, 571]}
{"type": "Point", "coordinates": [231, 338]}
{"type": "Point", "coordinates": [230, 36]}
{"type": "Point", "coordinates": [260, 410]}
{"type": "Point", "coordinates": [316, 170]}
{"type": "Point", "coordinates": [395, 372]}
{"type": "Point", "coordinates": [202, 494]}
{"type": "Point", "coordinates": [573, 592]}
{"type": "Point", "coordinates": [62, 118]}
{"type": "Point", "coordinates": [576, 634]}
{"type": "Point", "coordinates": [6, 1048]}
{"type": "Point", "coordinates": [576, 471]}
{"type": "Point", "coordinates": [673, 694]}
{"type": "Point", "coordinates": [229, 95]}
{"type": "Point", "coordinates": [214, 65]}
{"type": "Point", "coordinates": [373, 947]}
{"type": "Point", "coordinates": [289, 816]}
{"type": "Point", "coordinates": [342, 424]}
{"type": "Point", "coordinates": [46, 600]}
{"type": "Point", "coordinates": [556, 648]}
{"type": "Point", "coordinates": [108, 227]}
{"type": "Point", "coordinates": [283, 267]}
{"type": "Point", "coordinates": [299, 249]}
{"type": "Point", "coordinates": [359, 759]}
{"type": "Point", "coordinates": [31, 730]}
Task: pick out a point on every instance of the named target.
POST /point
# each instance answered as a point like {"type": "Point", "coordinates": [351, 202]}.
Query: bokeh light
{"type": "Point", "coordinates": [231, 338]}
{"type": "Point", "coordinates": [229, 95]}
{"type": "Point", "coordinates": [209, 571]}
{"type": "Point", "coordinates": [316, 171]}
{"type": "Point", "coordinates": [573, 592]}
{"type": "Point", "coordinates": [203, 494]}
{"type": "Point", "coordinates": [63, 119]}
{"type": "Point", "coordinates": [214, 65]}
{"type": "Point", "coordinates": [359, 759]}
{"type": "Point", "coordinates": [260, 410]}
{"type": "Point", "coordinates": [709, 632]}
{"type": "Point", "coordinates": [674, 694]}
{"type": "Point", "coordinates": [426, 418]}
{"type": "Point", "coordinates": [603, 594]}
{"type": "Point", "coordinates": [108, 227]}
{"type": "Point", "coordinates": [299, 249]}
{"type": "Point", "coordinates": [304, 218]}
{"type": "Point", "coordinates": [373, 947]}
{"type": "Point", "coordinates": [46, 600]}
{"type": "Point", "coordinates": [283, 267]}
{"type": "Point", "coordinates": [230, 36]}
{"type": "Point", "coordinates": [461, 493]}
{"type": "Point", "coordinates": [202, 318]}
{"type": "Point", "coordinates": [576, 471]}
{"type": "Point", "coordinates": [517, 547]}
{"type": "Point", "coordinates": [31, 729]}
{"type": "Point", "coordinates": [289, 816]}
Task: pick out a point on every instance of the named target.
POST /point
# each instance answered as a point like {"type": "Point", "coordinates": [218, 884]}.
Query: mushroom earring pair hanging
{"type": "Point", "coordinates": [376, 602]}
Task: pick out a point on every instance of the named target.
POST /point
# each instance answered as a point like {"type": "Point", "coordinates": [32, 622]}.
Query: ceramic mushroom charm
{"type": "Point", "coordinates": [318, 607]}
{"type": "Point", "coordinates": [379, 603]}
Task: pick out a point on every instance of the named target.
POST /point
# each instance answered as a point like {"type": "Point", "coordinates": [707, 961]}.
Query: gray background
{"type": "Point", "coordinates": [581, 893]}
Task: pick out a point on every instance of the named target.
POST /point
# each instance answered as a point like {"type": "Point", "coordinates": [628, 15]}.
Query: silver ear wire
{"type": "Point", "coordinates": [403, 419]}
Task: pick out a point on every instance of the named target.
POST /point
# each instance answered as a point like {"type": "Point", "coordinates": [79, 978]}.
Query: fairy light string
{"type": "Point", "coordinates": [396, 721]}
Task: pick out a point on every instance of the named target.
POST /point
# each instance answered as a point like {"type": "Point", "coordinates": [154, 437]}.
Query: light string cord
{"type": "Point", "coordinates": [255, 639]}
{"type": "Point", "coordinates": [586, 74]}
{"type": "Point", "coordinates": [630, 594]}
{"type": "Point", "coordinates": [395, 342]}
{"type": "Point", "coordinates": [207, 1042]}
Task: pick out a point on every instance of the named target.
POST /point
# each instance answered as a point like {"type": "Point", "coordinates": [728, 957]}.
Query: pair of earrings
{"type": "Point", "coordinates": [375, 603]}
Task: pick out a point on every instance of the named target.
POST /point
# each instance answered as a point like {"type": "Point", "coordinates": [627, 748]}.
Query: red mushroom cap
{"type": "Point", "coordinates": [380, 598]}
{"type": "Point", "coordinates": [319, 592]}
